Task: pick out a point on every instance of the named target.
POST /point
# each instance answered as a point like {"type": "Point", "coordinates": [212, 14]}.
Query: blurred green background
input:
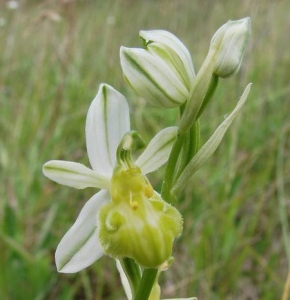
{"type": "Point", "coordinates": [53, 56]}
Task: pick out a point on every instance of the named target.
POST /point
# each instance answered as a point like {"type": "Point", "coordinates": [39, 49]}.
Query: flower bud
{"type": "Point", "coordinates": [230, 42]}
{"type": "Point", "coordinates": [162, 73]}
{"type": "Point", "coordinates": [167, 46]}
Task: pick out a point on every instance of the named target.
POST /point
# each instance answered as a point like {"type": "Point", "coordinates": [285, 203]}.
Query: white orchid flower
{"type": "Point", "coordinates": [107, 122]}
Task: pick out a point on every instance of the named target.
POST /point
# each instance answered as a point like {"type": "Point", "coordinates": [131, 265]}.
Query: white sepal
{"type": "Point", "coordinates": [107, 121]}
{"type": "Point", "coordinates": [80, 247]}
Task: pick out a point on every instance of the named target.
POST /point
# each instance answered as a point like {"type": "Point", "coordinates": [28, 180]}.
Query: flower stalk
{"type": "Point", "coordinates": [146, 284]}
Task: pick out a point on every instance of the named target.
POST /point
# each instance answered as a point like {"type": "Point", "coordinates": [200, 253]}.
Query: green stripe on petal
{"type": "Point", "coordinates": [80, 247]}
{"type": "Point", "coordinates": [157, 151]}
{"type": "Point", "coordinates": [74, 175]}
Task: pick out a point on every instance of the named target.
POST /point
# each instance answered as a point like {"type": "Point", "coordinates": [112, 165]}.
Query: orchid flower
{"type": "Point", "coordinates": [106, 124]}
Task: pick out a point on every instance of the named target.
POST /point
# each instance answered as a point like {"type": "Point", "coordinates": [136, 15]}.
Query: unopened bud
{"type": "Point", "coordinates": [230, 42]}
{"type": "Point", "coordinates": [162, 73]}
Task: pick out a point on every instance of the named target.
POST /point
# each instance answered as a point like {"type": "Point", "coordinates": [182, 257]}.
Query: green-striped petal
{"type": "Point", "coordinates": [74, 175]}
{"type": "Point", "coordinates": [157, 151]}
{"type": "Point", "coordinates": [152, 78]}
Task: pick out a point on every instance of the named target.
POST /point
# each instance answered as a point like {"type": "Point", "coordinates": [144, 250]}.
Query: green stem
{"type": "Point", "coordinates": [190, 137]}
{"type": "Point", "coordinates": [194, 140]}
{"type": "Point", "coordinates": [171, 166]}
{"type": "Point", "coordinates": [199, 90]}
{"type": "Point", "coordinates": [133, 273]}
{"type": "Point", "coordinates": [146, 284]}
{"type": "Point", "coordinates": [190, 147]}
{"type": "Point", "coordinates": [211, 89]}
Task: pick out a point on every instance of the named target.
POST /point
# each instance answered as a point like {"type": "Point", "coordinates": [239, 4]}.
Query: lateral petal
{"type": "Point", "coordinates": [157, 151]}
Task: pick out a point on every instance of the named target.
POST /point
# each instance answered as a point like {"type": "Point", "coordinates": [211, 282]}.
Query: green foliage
{"type": "Point", "coordinates": [53, 56]}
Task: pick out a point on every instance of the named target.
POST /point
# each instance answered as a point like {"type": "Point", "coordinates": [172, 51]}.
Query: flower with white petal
{"type": "Point", "coordinates": [107, 122]}
{"type": "Point", "coordinates": [163, 72]}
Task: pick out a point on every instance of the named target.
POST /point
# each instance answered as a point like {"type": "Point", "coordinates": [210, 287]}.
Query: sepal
{"type": "Point", "coordinates": [80, 246]}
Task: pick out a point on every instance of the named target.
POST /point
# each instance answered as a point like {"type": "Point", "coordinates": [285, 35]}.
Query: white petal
{"type": "Point", "coordinates": [107, 121]}
{"type": "Point", "coordinates": [157, 151]}
{"type": "Point", "coordinates": [80, 247]}
{"type": "Point", "coordinates": [152, 78]}
{"type": "Point", "coordinates": [124, 280]}
{"type": "Point", "coordinates": [74, 175]}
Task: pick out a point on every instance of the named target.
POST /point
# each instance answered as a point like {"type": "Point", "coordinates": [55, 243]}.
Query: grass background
{"type": "Point", "coordinates": [53, 56]}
